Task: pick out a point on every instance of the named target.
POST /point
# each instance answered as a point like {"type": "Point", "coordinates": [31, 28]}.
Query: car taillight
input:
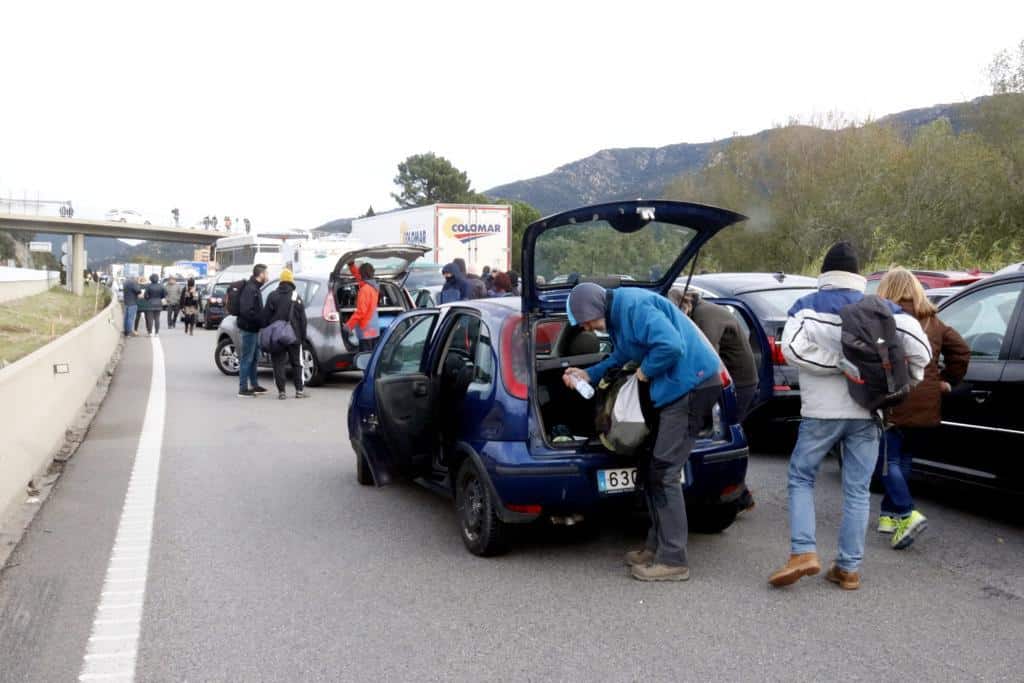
{"type": "Point", "coordinates": [514, 361]}
{"type": "Point", "coordinates": [776, 348]}
{"type": "Point", "coordinates": [726, 377]}
{"type": "Point", "coordinates": [330, 312]}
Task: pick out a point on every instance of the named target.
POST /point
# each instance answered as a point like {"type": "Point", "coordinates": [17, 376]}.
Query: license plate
{"type": "Point", "coordinates": [614, 481]}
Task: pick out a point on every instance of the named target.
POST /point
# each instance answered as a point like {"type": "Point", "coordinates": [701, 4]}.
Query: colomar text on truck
{"type": "Point", "coordinates": [478, 233]}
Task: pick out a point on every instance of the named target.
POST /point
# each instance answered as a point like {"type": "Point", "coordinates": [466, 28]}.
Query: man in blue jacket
{"type": "Point", "coordinates": [682, 373]}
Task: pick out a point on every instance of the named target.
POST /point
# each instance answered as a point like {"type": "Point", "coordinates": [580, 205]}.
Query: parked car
{"type": "Point", "coordinates": [330, 300]}
{"type": "Point", "coordinates": [424, 284]}
{"type": "Point", "coordinates": [930, 279]}
{"type": "Point", "coordinates": [1012, 268]}
{"type": "Point", "coordinates": [939, 294]}
{"type": "Point", "coordinates": [468, 398]}
{"type": "Point", "coordinates": [981, 438]}
{"type": "Point", "coordinates": [126, 216]}
{"type": "Point", "coordinates": [766, 299]}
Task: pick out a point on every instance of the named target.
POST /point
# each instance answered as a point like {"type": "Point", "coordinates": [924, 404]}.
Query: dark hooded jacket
{"type": "Point", "coordinates": [456, 287]}
{"type": "Point", "coordinates": [285, 304]}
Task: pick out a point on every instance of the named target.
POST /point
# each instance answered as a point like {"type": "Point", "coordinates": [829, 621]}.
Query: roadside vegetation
{"type": "Point", "coordinates": [31, 322]}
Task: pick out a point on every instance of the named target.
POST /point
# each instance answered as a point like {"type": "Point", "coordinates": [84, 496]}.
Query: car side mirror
{"type": "Point", "coordinates": [363, 360]}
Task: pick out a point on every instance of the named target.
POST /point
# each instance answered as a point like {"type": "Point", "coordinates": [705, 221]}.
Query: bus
{"type": "Point", "coordinates": [294, 249]}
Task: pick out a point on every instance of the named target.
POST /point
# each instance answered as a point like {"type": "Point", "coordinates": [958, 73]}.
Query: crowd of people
{"type": "Point", "coordinates": [149, 298]}
{"type": "Point", "coordinates": [681, 342]}
{"type": "Point", "coordinates": [462, 285]}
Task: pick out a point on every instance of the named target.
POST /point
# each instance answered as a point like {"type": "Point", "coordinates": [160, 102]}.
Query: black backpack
{"type": "Point", "coordinates": [873, 359]}
{"type": "Point", "coordinates": [233, 297]}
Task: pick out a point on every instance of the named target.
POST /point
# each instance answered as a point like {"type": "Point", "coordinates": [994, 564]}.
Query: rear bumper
{"type": "Point", "coordinates": [564, 486]}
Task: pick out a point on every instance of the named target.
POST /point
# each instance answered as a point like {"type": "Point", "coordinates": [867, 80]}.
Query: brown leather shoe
{"type": "Point", "coordinates": [848, 581]}
{"type": "Point", "coordinates": [639, 558]}
{"type": "Point", "coordinates": [660, 572]}
{"type": "Point", "coordinates": [800, 565]}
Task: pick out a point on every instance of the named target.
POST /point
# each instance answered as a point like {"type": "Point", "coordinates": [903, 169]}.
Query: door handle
{"type": "Point", "coordinates": [980, 396]}
{"type": "Point", "coordinates": [419, 389]}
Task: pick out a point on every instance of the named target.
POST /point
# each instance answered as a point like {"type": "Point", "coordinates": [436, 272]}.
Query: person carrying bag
{"type": "Point", "coordinates": [285, 333]}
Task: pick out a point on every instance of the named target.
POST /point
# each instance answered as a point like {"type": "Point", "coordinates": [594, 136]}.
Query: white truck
{"type": "Point", "coordinates": [479, 233]}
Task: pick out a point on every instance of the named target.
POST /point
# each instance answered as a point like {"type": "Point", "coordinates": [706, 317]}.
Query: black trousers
{"type": "Point", "coordinates": [153, 321]}
{"type": "Point", "coordinates": [291, 356]}
{"type": "Point", "coordinates": [367, 344]}
{"type": "Point", "coordinates": [172, 315]}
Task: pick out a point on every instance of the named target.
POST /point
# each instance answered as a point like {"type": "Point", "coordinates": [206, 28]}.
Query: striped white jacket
{"type": "Point", "coordinates": [811, 342]}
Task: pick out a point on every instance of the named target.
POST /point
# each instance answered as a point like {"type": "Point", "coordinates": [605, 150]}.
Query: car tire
{"type": "Point", "coordinates": [476, 508]}
{"type": "Point", "coordinates": [314, 377]}
{"type": "Point", "coordinates": [712, 518]}
{"type": "Point", "coordinates": [363, 474]}
{"type": "Point", "coordinates": [226, 357]}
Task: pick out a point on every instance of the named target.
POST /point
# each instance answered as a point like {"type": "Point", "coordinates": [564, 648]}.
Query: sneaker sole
{"type": "Point", "coordinates": [886, 531]}
{"type": "Point", "coordinates": [911, 535]}
{"type": "Point", "coordinates": [671, 577]}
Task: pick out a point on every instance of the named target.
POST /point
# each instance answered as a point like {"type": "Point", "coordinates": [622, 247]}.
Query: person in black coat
{"type": "Point", "coordinates": [286, 304]}
{"type": "Point", "coordinates": [154, 296]}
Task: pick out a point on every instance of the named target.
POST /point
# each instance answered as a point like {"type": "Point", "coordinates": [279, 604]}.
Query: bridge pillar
{"type": "Point", "coordinates": [77, 264]}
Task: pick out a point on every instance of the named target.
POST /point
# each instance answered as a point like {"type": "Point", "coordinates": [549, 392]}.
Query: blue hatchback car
{"type": "Point", "coordinates": [468, 398]}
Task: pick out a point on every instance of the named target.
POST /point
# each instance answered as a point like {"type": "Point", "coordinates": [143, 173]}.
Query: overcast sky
{"type": "Point", "coordinates": [297, 113]}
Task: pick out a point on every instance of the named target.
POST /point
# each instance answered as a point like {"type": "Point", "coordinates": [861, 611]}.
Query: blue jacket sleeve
{"type": "Point", "coordinates": [665, 346]}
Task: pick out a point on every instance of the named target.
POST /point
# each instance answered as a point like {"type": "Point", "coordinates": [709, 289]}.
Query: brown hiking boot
{"type": "Point", "coordinates": [660, 572]}
{"type": "Point", "coordinates": [639, 558]}
{"type": "Point", "coordinates": [804, 564]}
{"type": "Point", "coordinates": [848, 581]}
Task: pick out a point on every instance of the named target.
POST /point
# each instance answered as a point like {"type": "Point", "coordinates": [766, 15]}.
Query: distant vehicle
{"type": "Point", "coordinates": [1012, 268]}
{"type": "Point", "coordinates": [424, 284]}
{"type": "Point", "coordinates": [126, 216]}
{"type": "Point", "coordinates": [766, 298]}
{"type": "Point", "coordinates": [477, 233]}
{"type": "Point", "coordinates": [213, 302]}
{"type": "Point", "coordinates": [939, 294]}
{"type": "Point", "coordinates": [330, 300]}
{"type": "Point", "coordinates": [468, 398]}
{"type": "Point", "coordinates": [933, 278]}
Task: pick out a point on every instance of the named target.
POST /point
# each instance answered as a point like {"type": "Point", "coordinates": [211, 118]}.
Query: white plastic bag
{"type": "Point", "coordinates": [628, 430]}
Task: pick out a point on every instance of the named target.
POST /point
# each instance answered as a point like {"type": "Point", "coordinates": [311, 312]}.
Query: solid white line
{"type": "Point", "coordinates": [134, 532]}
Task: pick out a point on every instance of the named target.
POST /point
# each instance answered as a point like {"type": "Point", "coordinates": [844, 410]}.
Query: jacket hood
{"type": "Point", "coordinates": [841, 279]}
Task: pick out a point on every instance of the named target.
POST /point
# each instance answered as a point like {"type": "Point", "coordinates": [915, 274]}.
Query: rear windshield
{"type": "Point", "coordinates": [774, 304]}
{"type": "Point", "coordinates": [424, 277]}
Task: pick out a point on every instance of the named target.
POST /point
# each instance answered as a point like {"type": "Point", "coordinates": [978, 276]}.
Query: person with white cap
{"type": "Point", "coordinates": [681, 373]}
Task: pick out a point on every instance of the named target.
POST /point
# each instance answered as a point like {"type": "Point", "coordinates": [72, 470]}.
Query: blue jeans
{"type": "Point", "coordinates": [860, 451]}
{"type": "Point", "coordinates": [897, 501]}
{"type": "Point", "coordinates": [248, 358]}
{"type": "Point", "coordinates": [129, 318]}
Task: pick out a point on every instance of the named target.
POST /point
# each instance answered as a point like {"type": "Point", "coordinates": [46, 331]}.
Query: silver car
{"type": "Point", "coordinates": [330, 300]}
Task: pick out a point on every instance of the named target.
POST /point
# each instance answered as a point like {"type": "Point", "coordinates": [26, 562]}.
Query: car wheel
{"type": "Point", "coordinates": [712, 518]}
{"type": "Point", "coordinates": [226, 357]}
{"type": "Point", "coordinates": [363, 474]}
{"type": "Point", "coordinates": [482, 532]}
{"type": "Point", "coordinates": [311, 374]}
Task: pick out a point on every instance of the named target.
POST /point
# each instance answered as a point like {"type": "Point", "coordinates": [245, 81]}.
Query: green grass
{"type": "Point", "coordinates": [27, 324]}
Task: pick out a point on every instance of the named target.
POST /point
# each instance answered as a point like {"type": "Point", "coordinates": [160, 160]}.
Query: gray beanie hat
{"type": "Point", "coordinates": [586, 302]}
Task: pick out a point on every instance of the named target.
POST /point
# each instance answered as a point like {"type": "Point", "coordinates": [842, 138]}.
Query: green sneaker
{"type": "Point", "coordinates": [886, 524]}
{"type": "Point", "coordinates": [908, 529]}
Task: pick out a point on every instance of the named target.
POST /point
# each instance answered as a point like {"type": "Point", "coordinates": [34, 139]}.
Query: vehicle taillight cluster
{"type": "Point", "coordinates": [777, 356]}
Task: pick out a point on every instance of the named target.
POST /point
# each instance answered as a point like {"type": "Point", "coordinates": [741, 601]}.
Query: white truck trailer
{"type": "Point", "coordinates": [479, 233]}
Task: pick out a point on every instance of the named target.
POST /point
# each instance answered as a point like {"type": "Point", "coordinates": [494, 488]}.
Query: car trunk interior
{"type": "Point", "coordinates": [346, 291]}
{"type": "Point", "coordinates": [567, 419]}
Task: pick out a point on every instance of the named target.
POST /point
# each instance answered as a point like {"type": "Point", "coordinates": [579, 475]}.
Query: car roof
{"type": "Point", "coordinates": [730, 284]}
{"type": "Point", "coordinates": [980, 284]}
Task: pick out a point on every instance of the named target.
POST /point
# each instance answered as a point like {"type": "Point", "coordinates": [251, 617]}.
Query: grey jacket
{"type": "Point", "coordinates": [174, 293]}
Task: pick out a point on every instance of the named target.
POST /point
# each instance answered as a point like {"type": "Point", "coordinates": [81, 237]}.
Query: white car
{"type": "Point", "coordinates": [126, 216]}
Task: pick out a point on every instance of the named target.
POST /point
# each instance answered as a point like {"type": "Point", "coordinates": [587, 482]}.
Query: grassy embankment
{"type": "Point", "coordinates": [31, 322]}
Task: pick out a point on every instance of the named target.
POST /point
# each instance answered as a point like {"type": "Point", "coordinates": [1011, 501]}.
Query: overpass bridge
{"type": "Point", "coordinates": [78, 228]}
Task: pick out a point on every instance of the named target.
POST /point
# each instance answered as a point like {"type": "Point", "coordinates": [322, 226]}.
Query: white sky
{"type": "Point", "coordinates": [297, 113]}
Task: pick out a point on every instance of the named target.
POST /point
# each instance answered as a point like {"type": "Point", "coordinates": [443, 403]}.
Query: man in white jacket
{"type": "Point", "coordinates": [812, 343]}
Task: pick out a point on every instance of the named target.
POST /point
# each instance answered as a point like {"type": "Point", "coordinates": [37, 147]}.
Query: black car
{"type": "Point", "coordinates": [981, 438]}
{"type": "Point", "coordinates": [767, 298]}
{"type": "Point", "coordinates": [213, 304]}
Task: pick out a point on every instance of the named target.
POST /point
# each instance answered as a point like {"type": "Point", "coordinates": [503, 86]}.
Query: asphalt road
{"type": "Point", "coordinates": [270, 563]}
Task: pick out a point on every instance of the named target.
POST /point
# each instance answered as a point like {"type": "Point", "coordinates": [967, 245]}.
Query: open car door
{"type": "Point", "coordinates": [406, 432]}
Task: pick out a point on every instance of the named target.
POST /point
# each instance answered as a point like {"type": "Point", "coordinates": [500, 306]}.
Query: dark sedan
{"type": "Point", "coordinates": [767, 297]}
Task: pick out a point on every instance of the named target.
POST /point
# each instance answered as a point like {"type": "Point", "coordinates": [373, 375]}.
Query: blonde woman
{"type": "Point", "coordinates": [921, 410]}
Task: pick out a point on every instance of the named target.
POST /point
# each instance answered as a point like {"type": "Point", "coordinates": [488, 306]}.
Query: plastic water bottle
{"type": "Point", "coordinates": [583, 387]}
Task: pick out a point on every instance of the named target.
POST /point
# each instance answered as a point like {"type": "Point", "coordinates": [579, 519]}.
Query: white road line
{"type": "Point", "coordinates": [134, 533]}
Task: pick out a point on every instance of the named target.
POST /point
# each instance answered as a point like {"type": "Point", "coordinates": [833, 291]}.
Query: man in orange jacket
{"type": "Point", "coordinates": [365, 321]}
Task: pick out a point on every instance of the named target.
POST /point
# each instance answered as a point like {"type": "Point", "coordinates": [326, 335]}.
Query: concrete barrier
{"type": "Point", "coordinates": [18, 282]}
{"type": "Point", "coordinates": [43, 393]}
